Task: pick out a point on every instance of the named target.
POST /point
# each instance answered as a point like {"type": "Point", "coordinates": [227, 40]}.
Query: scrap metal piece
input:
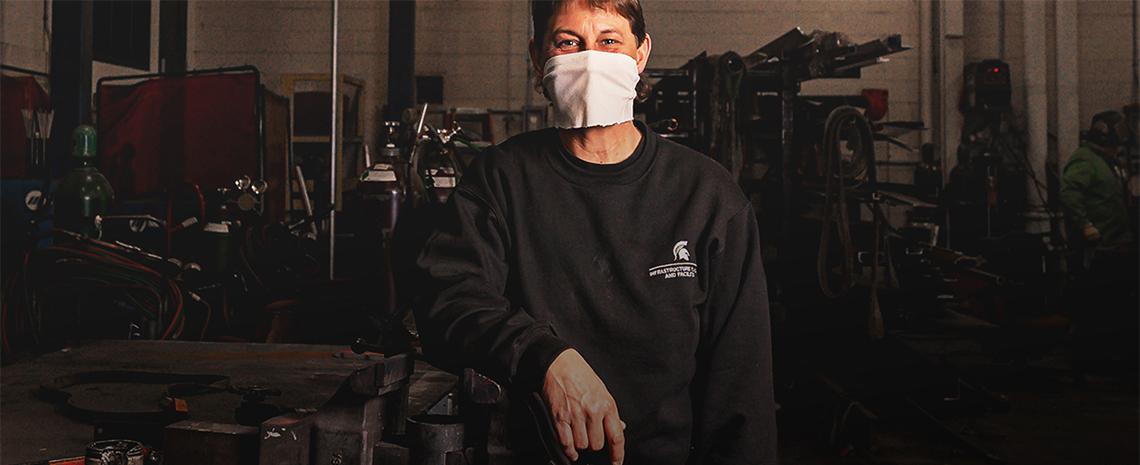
{"type": "Point", "coordinates": [285, 440]}
{"type": "Point", "coordinates": [115, 452]}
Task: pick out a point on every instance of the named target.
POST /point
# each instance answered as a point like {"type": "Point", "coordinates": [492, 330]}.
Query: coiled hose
{"type": "Point", "coordinates": [835, 209]}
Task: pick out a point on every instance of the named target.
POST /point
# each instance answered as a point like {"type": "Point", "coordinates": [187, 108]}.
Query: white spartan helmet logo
{"type": "Point", "coordinates": [680, 252]}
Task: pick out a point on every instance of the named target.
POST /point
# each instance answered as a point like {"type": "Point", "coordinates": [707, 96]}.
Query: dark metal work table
{"type": "Point", "coordinates": [307, 375]}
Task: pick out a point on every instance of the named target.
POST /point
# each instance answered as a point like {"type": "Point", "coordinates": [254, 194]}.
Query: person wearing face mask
{"type": "Point", "coordinates": [613, 272]}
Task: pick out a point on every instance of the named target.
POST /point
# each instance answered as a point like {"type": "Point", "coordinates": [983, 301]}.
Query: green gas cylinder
{"type": "Point", "coordinates": [84, 193]}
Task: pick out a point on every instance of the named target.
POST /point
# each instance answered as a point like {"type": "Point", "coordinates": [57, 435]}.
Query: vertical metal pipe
{"type": "Point", "coordinates": [926, 68]}
{"type": "Point", "coordinates": [1036, 111]}
{"type": "Point", "coordinates": [401, 58]}
{"type": "Point", "coordinates": [334, 135]}
{"type": "Point", "coordinates": [1068, 83]}
{"type": "Point", "coordinates": [951, 60]}
{"type": "Point", "coordinates": [1135, 51]}
{"type": "Point", "coordinates": [791, 87]}
{"type": "Point", "coordinates": [72, 25]}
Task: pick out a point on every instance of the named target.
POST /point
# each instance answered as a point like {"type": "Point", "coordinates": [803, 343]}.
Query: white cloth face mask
{"type": "Point", "coordinates": [591, 88]}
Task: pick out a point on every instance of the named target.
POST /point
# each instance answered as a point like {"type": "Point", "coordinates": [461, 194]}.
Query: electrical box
{"type": "Point", "coordinates": [988, 85]}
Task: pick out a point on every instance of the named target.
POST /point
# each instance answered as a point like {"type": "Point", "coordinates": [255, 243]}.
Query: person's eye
{"type": "Point", "coordinates": [566, 43]}
{"type": "Point", "coordinates": [610, 42]}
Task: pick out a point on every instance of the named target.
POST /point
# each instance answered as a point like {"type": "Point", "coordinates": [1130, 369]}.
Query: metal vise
{"type": "Point", "coordinates": [347, 428]}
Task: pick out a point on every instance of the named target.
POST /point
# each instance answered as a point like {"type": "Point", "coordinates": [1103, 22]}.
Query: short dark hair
{"type": "Point", "coordinates": [543, 10]}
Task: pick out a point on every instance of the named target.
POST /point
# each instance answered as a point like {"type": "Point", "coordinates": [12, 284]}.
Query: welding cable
{"type": "Point", "coordinates": [177, 294]}
{"type": "Point", "coordinates": [112, 270]}
{"type": "Point", "coordinates": [209, 313]}
{"type": "Point", "coordinates": [201, 202]}
{"type": "Point", "coordinates": [835, 209]}
{"type": "Point", "coordinates": [122, 280]}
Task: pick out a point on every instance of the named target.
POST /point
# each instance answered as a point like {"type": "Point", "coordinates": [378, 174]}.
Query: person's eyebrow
{"type": "Point", "coordinates": [564, 31]}
{"type": "Point", "coordinates": [609, 31]}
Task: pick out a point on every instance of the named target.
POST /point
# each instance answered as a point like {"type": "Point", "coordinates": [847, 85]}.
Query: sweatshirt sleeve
{"type": "Point", "coordinates": [733, 400]}
{"type": "Point", "coordinates": [465, 320]}
{"type": "Point", "coordinates": [1074, 183]}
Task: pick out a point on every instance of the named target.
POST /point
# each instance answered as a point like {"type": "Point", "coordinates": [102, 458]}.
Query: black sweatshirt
{"type": "Point", "coordinates": [650, 268]}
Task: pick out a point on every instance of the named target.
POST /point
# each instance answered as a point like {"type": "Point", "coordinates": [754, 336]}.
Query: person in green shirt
{"type": "Point", "coordinates": [1092, 187]}
{"type": "Point", "coordinates": [1104, 292]}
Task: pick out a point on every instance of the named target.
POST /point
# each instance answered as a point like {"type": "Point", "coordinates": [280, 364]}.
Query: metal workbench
{"type": "Point", "coordinates": [31, 429]}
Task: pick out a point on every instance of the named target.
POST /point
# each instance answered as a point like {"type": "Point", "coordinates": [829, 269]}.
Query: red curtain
{"type": "Point", "coordinates": [170, 131]}
{"type": "Point", "coordinates": [17, 93]}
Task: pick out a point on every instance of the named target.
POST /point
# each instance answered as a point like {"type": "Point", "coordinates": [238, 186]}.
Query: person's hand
{"type": "Point", "coordinates": [1091, 233]}
{"type": "Point", "coordinates": [585, 414]}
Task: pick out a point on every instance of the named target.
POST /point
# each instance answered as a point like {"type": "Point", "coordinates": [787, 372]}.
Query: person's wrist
{"type": "Point", "coordinates": [536, 361]}
{"type": "Point", "coordinates": [558, 364]}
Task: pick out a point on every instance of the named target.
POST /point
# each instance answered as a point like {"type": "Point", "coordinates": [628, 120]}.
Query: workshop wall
{"type": "Point", "coordinates": [480, 47]}
{"type": "Point", "coordinates": [292, 37]}
{"type": "Point", "coordinates": [1106, 53]}
{"type": "Point", "coordinates": [1106, 56]}
{"type": "Point", "coordinates": [24, 39]}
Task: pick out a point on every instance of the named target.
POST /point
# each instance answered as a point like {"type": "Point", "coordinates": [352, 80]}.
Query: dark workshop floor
{"type": "Point", "coordinates": [1051, 418]}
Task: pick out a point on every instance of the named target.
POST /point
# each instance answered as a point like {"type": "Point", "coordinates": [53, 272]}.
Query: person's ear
{"type": "Point", "coordinates": [643, 53]}
{"type": "Point", "coordinates": [538, 67]}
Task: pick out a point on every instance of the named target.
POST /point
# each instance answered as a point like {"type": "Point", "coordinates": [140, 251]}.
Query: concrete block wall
{"type": "Point", "coordinates": [293, 37]}
{"type": "Point", "coordinates": [24, 36]}
{"type": "Point", "coordinates": [1106, 54]}
{"type": "Point", "coordinates": [480, 49]}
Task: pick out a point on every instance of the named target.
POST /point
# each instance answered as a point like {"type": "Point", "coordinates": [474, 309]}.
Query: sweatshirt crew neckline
{"type": "Point", "coordinates": [579, 171]}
